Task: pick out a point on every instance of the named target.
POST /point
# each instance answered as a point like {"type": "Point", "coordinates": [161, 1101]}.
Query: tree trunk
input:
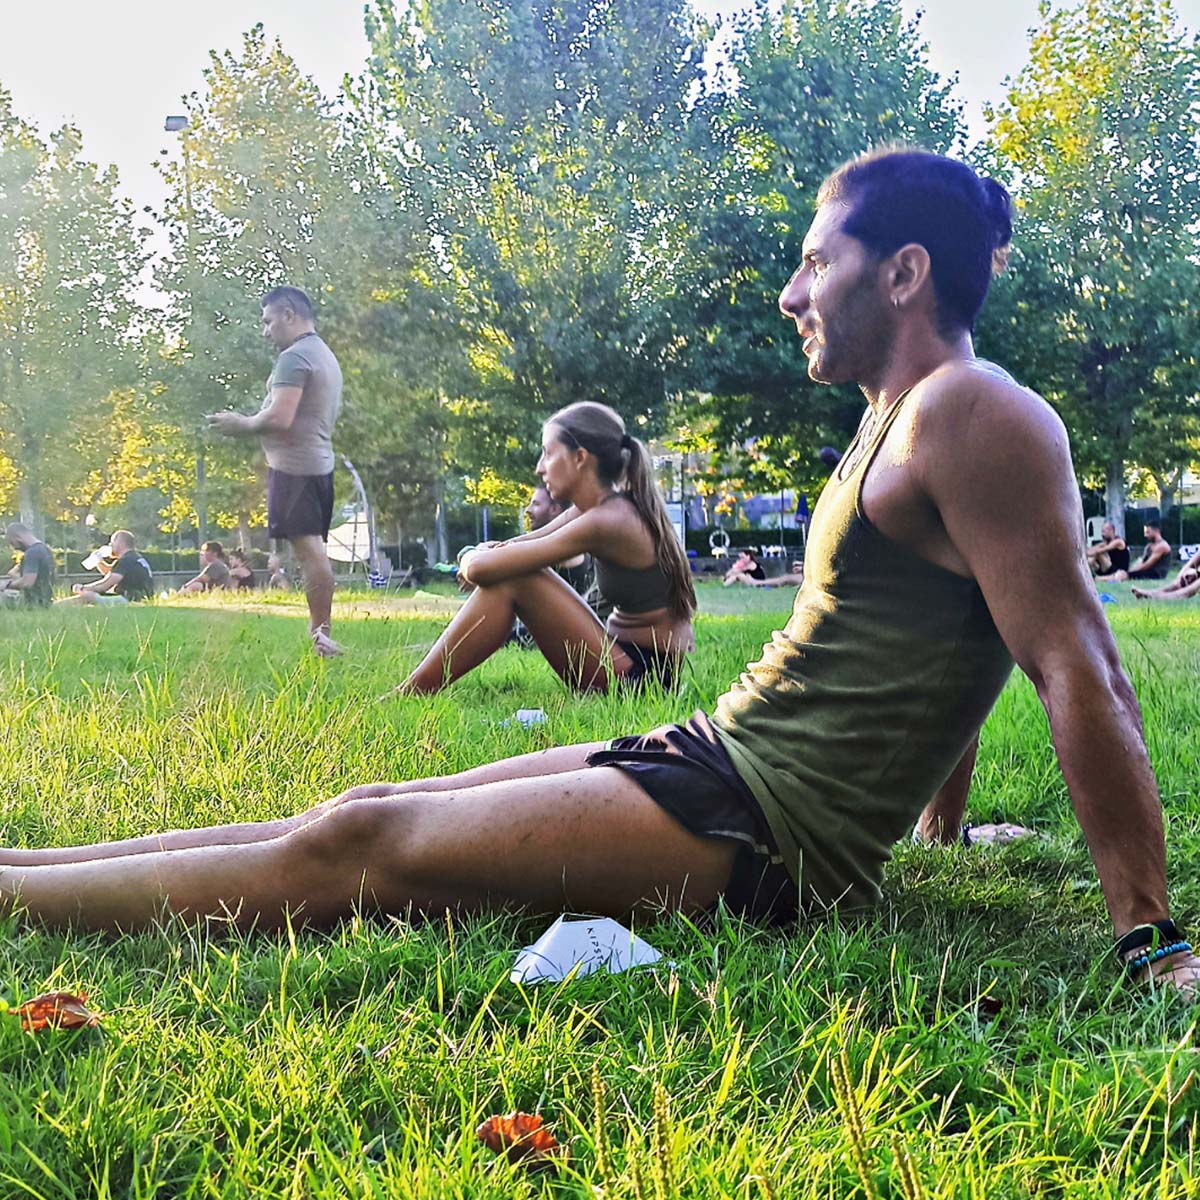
{"type": "Point", "coordinates": [27, 500]}
{"type": "Point", "coordinates": [1114, 494]}
{"type": "Point", "coordinates": [441, 550]}
{"type": "Point", "coordinates": [244, 534]}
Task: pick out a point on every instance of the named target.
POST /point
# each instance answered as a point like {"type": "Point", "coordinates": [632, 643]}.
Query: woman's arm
{"type": "Point", "coordinates": [531, 552]}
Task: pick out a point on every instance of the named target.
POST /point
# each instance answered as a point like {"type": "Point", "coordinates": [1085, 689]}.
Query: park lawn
{"type": "Point", "coordinates": [969, 1038]}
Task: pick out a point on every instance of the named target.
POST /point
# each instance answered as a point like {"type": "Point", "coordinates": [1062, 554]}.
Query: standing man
{"type": "Point", "coordinates": [295, 428]}
{"type": "Point", "coordinates": [33, 580]}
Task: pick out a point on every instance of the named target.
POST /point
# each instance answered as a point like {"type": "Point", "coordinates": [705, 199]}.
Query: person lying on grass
{"type": "Point", "coordinates": [604, 479]}
{"type": "Point", "coordinates": [860, 719]}
{"type": "Point", "coordinates": [1183, 587]}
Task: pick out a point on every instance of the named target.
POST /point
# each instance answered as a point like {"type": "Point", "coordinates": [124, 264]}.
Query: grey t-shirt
{"type": "Point", "coordinates": [306, 448]}
{"type": "Point", "coordinates": [215, 574]}
{"type": "Point", "coordinates": [38, 559]}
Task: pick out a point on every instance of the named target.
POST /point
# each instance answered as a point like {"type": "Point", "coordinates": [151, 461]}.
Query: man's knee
{"type": "Point", "coordinates": [356, 832]}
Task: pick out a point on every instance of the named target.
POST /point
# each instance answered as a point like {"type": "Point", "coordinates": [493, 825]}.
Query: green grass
{"type": "Point", "coordinates": [835, 1059]}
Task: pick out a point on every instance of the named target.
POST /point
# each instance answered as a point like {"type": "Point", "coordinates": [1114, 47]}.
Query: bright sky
{"type": "Point", "coordinates": [118, 76]}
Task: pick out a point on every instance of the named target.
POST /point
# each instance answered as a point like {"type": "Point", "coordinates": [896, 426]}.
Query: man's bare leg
{"type": "Point", "coordinates": [588, 840]}
{"type": "Point", "coordinates": [523, 766]}
{"type": "Point", "coordinates": [318, 588]}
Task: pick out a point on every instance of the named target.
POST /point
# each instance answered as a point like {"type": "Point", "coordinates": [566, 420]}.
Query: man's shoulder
{"type": "Point", "coordinates": [964, 401]}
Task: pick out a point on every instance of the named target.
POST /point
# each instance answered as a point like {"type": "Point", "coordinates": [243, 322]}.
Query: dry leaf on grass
{"type": "Point", "coordinates": [522, 1138]}
{"type": "Point", "coordinates": [62, 1010]}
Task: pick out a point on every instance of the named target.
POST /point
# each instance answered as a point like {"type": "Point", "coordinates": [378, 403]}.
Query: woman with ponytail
{"type": "Point", "coordinates": [604, 479]}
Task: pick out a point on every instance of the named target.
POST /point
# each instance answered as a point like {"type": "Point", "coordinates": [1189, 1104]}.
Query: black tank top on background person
{"type": "Point", "coordinates": [1119, 559]}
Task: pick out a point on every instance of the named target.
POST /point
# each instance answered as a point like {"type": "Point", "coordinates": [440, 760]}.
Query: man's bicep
{"type": "Point", "coordinates": [285, 401]}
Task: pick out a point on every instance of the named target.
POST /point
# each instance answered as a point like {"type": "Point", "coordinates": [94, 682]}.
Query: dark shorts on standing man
{"type": "Point", "coordinates": [685, 770]}
{"type": "Point", "coordinates": [299, 505]}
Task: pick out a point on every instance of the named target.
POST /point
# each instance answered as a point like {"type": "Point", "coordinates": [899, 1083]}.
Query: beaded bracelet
{"type": "Point", "coordinates": [1156, 933]}
{"type": "Point", "coordinates": [1134, 965]}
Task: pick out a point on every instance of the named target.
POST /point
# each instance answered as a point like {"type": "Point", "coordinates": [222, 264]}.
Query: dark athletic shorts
{"type": "Point", "coordinates": [648, 665]}
{"type": "Point", "coordinates": [298, 505]}
{"type": "Point", "coordinates": [684, 769]}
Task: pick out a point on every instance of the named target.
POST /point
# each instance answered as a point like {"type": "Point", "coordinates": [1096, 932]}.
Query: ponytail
{"type": "Point", "coordinates": [624, 460]}
{"type": "Point", "coordinates": [642, 488]}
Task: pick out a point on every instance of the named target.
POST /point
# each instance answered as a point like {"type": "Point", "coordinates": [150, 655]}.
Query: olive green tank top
{"type": "Point", "coordinates": [861, 708]}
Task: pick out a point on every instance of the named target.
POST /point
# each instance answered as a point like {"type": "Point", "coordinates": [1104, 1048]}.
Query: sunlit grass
{"type": "Point", "coordinates": [835, 1059]}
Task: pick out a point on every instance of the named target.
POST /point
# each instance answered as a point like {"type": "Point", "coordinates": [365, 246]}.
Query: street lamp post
{"type": "Point", "coordinates": [180, 125]}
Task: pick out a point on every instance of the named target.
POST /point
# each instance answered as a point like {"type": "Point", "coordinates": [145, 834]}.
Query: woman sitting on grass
{"type": "Point", "coordinates": [613, 511]}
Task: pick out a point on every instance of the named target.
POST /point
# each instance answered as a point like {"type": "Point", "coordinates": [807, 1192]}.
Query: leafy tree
{"type": "Point", "coordinates": [1100, 131]}
{"type": "Point", "coordinates": [542, 146]}
{"type": "Point", "coordinates": [272, 189]}
{"type": "Point", "coordinates": [810, 85]}
{"type": "Point", "coordinates": [70, 258]}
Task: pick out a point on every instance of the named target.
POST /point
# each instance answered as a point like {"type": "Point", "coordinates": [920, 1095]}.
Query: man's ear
{"type": "Point", "coordinates": [906, 274]}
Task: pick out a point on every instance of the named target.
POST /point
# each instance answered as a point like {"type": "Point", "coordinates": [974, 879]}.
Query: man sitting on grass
{"type": "Point", "coordinates": [214, 570]}
{"type": "Point", "coordinates": [860, 719]}
{"type": "Point", "coordinates": [129, 579]}
{"type": "Point", "coordinates": [33, 580]}
{"type": "Point", "coordinates": [1156, 557]}
{"type": "Point", "coordinates": [1109, 557]}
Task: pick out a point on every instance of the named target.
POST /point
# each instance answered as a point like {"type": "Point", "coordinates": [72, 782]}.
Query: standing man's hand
{"type": "Point", "coordinates": [228, 423]}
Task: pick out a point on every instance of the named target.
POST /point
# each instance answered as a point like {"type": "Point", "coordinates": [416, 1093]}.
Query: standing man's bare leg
{"type": "Point", "coordinates": [318, 588]}
{"type": "Point", "coordinates": [588, 840]}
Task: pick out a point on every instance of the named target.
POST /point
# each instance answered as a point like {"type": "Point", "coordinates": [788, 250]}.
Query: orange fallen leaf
{"type": "Point", "coordinates": [63, 1010]}
{"type": "Point", "coordinates": [521, 1138]}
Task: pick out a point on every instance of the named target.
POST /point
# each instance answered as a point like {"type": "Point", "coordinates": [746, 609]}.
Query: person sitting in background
{"type": "Point", "coordinates": [794, 578]}
{"type": "Point", "coordinates": [577, 570]}
{"type": "Point", "coordinates": [1183, 587]}
{"type": "Point", "coordinates": [214, 571]}
{"type": "Point", "coordinates": [241, 575]}
{"type": "Point", "coordinates": [277, 577]}
{"type": "Point", "coordinates": [1109, 556]}
{"type": "Point", "coordinates": [31, 580]}
{"type": "Point", "coordinates": [129, 579]}
{"type": "Point", "coordinates": [1156, 556]}
{"type": "Point", "coordinates": [541, 510]}
{"type": "Point", "coordinates": [746, 564]}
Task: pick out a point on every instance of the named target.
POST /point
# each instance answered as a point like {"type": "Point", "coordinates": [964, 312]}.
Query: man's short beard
{"type": "Point", "coordinates": [860, 336]}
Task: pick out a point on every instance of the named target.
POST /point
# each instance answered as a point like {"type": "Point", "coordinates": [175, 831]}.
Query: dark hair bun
{"type": "Point", "coordinates": [999, 209]}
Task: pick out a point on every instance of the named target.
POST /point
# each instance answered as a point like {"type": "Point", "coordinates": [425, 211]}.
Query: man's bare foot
{"type": "Point", "coordinates": [1140, 593]}
{"type": "Point", "coordinates": [324, 645]}
{"type": "Point", "coordinates": [1180, 971]}
{"type": "Point", "coordinates": [994, 835]}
